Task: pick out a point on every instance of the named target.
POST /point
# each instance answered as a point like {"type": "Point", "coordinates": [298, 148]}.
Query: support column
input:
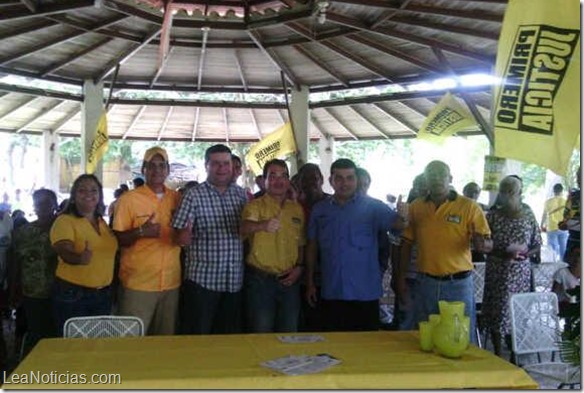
{"type": "Point", "coordinates": [326, 151]}
{"type": "Point", "coordinates": [51, 160]}
{"type": "Point", "coordinates": [90, 112]}
{"type": "Point", "coordinates": [299, 113]}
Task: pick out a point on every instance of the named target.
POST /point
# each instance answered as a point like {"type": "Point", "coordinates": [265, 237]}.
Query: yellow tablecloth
{"type": "Point", "coordinates": [371, 360]}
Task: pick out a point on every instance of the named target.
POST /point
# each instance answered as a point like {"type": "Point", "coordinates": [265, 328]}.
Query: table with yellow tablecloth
{"type": "Point", "coordinates": [369, 360]}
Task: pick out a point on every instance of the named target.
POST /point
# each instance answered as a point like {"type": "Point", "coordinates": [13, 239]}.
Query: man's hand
{"type": "Point", "coordinates": [290, 276]}
{"type": "Point", "coordinates": [184, 236]}
{"type": "Point", "coordinates": [310, 294]}
{"type": "Point", "coordinates": [150, 228]}
{"type": "Point", "coordinates": [273, 224]}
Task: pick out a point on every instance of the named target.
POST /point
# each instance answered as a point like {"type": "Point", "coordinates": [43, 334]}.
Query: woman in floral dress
{"type": "Point", "coordinates": [516, 238]}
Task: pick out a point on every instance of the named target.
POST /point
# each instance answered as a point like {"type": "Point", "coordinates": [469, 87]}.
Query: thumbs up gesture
{"type": "Point", "coordinates": [402, 208]}
{"type": "Point", "coordinates": [273, 224]}
{"type": "Point", "coordinates": [150, 228]}
{"type": "Point", "coordinates": [86, 255]}
{"type": "Point", "coordinates": [184, 236]}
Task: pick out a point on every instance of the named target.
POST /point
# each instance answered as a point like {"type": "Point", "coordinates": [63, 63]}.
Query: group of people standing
{"type": "Point", "coordinates": [279, 261]}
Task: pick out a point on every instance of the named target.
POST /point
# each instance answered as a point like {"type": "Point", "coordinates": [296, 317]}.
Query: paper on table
{"type": "Point", "coordinates": [303, 364]}
{"type": "Point", "coordinates": [300, 339]}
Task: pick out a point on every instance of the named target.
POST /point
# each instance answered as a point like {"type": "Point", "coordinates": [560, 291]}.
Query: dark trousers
{"type": "Point", "coordinates": [350, 315]}
{"type": "Point", "coordinates": [206, 312]}
{"type": "Point", "coordinates": [39, 320]}
{"type": "Point", "coordinates": [70, 300]}
{"type": "Point", "coordinates": [311, 317]}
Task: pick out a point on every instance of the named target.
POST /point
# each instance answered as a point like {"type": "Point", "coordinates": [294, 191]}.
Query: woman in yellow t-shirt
{"type": "Point", "coordinates": [86, 248]}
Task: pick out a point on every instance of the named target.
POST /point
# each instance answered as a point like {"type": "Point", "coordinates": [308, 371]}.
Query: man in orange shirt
{"type": "Point", "coordinates": [150, 259]}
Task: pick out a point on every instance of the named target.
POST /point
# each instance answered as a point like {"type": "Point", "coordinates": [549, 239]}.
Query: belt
{"type": "Point", "coordinates": [260, 272]}
{"type": "Point", "coordinates": [450, 277]}
{"type": "Point", "coordinates": [65, 283]}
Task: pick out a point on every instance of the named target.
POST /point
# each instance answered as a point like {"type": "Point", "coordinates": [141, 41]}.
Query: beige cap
{"type": "Point", "coordinates": [150, 153]}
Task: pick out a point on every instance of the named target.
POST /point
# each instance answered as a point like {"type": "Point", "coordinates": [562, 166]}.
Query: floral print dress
{"type": "Point", "coordinates": [506, 277]}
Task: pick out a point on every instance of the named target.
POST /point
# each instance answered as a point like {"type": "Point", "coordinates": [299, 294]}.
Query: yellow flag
{"type": "Point", "coordinates": [537, 103]}
{"type": "Point", "coordinates": [274, 145]}
{"type": "Point", "coordinates": [99, 145]}
{"type": "Point", "coordinates": [447, 117]}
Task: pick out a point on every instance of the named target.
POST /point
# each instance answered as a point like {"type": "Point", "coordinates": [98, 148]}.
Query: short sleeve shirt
{"type": "Point", "coordinates": [443, 235]}
{"type": "Point", "coordinates": [150, 264]}
{"type": "Point", "coordinates": [100, 269]}
{"type": "Point", "coordinates": [275, 252]}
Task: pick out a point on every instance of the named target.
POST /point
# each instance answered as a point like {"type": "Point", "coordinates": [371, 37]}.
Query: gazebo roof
{"type": "Point", "coordinates": [243, 47]}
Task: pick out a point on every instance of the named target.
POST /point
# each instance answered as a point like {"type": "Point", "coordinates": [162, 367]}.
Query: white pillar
{"type": "Point", "coordinates": [326, 151]}
{"type": "Point", "coordinates": [90, 112]}
{"type": "Point", "coordinates": [51, 160]}
{"type": "Point", "coordinates": [299, 113]}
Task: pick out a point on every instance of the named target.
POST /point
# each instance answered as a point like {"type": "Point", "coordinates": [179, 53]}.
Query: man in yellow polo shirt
{"type": "Point", "coordinates": [150, 259]}
{"type": "Point", "coordinates": [274, 226]}
{"type": "Point", "coordinates": [442, 225]}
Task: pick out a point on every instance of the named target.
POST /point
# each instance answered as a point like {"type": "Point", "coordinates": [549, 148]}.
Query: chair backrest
{"type": "Point", "coordinates": [542, 275]}
{"type": "Point", "coordinates": [535, 323]}
{"type": "Point", "coordinates": [478, 277]}
{"type": "Point", "coordinates": [103, 326]}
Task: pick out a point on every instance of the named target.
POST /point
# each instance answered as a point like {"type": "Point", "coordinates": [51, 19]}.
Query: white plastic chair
{"type": "Point", "coordinates": [542, 275]}
{"type": "Point", "coordinates": [535, 329]}
{"type": "Point", "coordinates": [478, 278]}
{"type": "Point", "coordinates": [103, 326]}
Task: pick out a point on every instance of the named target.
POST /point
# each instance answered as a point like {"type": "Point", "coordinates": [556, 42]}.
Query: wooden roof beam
{"type": "Point", "coordinates": [226, 124]}
{"type": "Point", "coordinates": [21, 11]}
{"type": "Point", "coordinates": [420, 9]}
{"type": "Point", "coordinates": [165, 123]}
{"type": "Point", "coordinates": [240, 69]}
{"type": "Point", "coordinates": [387, 49]}
{"type": "Point", "coordinates": [202, 57]}
{"type": "Point", "coordinates": [65, 119]}
{"type": "Point", "coordinates": [40, 92]}
{"type": "Point", "coordinates": [405, 95]}
{"type": "Point", "coordinates": [196, 124]}
{"type": "Point", "coordinates": [359, 60]}
{"type": "Point", "coordinates": [42, 113]}
{"type": "Point", "coordinates": [324, 66]}
{"type": "Point", "coordinates": [193, 103]}
{"type": "Point", "coordinates": [255, 124]}
{"type": "Point", "coordinates": [65, 62]}
{"type": "Point", "coordinates": [318, 126]}
{"type": "Point", "coordinates": [398, 119]}
{"type": "Point", "coordinates": [134, 121]}
{"type": "Point", "coordinates": [160, 69]}
{"type": "Point", "coordinates": [357, 24]}
{"type": "Point", "coordinates": [342, 123]}
{"type": "Point", "coordinates": [279, 64]}
{"type": "Point", "coordinates": [445, 27]}
{"type": "Point", "coordinates": [18, 106]}
{"type": "Point", "coordinates": [30, 4]}
{"type": "Point", "coordinates": [363, 116]}
{"type": "Point", "coordinates": [127, 54]}
{"type": "Point", "coordinates": [35, 26]}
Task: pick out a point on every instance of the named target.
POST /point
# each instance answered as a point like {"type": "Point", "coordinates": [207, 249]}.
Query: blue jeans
{"type": "Point", "coordinates": [558, 241]}
{"type": "Point", "coordinates": [70, 300]}
{"type": "Point", "coordinates": [205, 311]}
{"type": "Point", "coordinates": [271, 306]}
{"type": "Point", "coordinates": [407, 318]}
{"type": "Point", "coordinates": [429, 291]}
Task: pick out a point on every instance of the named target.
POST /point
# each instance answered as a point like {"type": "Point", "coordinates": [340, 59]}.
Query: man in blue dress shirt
{"type": "Point", "coordinates": [344, 228]}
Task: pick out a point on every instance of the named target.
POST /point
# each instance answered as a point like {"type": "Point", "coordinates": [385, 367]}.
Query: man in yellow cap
{"type": "Point", "coordinates": [150, 259]}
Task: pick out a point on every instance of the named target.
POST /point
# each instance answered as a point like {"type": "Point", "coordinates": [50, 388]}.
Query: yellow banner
{"type": "Point", "coordinates": [537, 104]}
{"type": "Point", "coordinates": [274, 145]}
{"type": "Point", "coordinates": [447, 117]}
{"type": "Point", "coordinates": [99, 145]}
{"type": "Point", "coordinates": [493, 172]}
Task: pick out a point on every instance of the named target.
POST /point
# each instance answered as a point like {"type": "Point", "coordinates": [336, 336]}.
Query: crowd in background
{"type": "Point", "coordinates": [214, 258]}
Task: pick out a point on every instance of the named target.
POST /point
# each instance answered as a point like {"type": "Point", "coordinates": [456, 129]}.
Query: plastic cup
{"type": "Point", "coordinates": [425, 330]}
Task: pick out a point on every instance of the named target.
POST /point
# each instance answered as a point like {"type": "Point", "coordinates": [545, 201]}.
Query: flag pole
{"type": "Point", "coordinates": [285, 87]}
